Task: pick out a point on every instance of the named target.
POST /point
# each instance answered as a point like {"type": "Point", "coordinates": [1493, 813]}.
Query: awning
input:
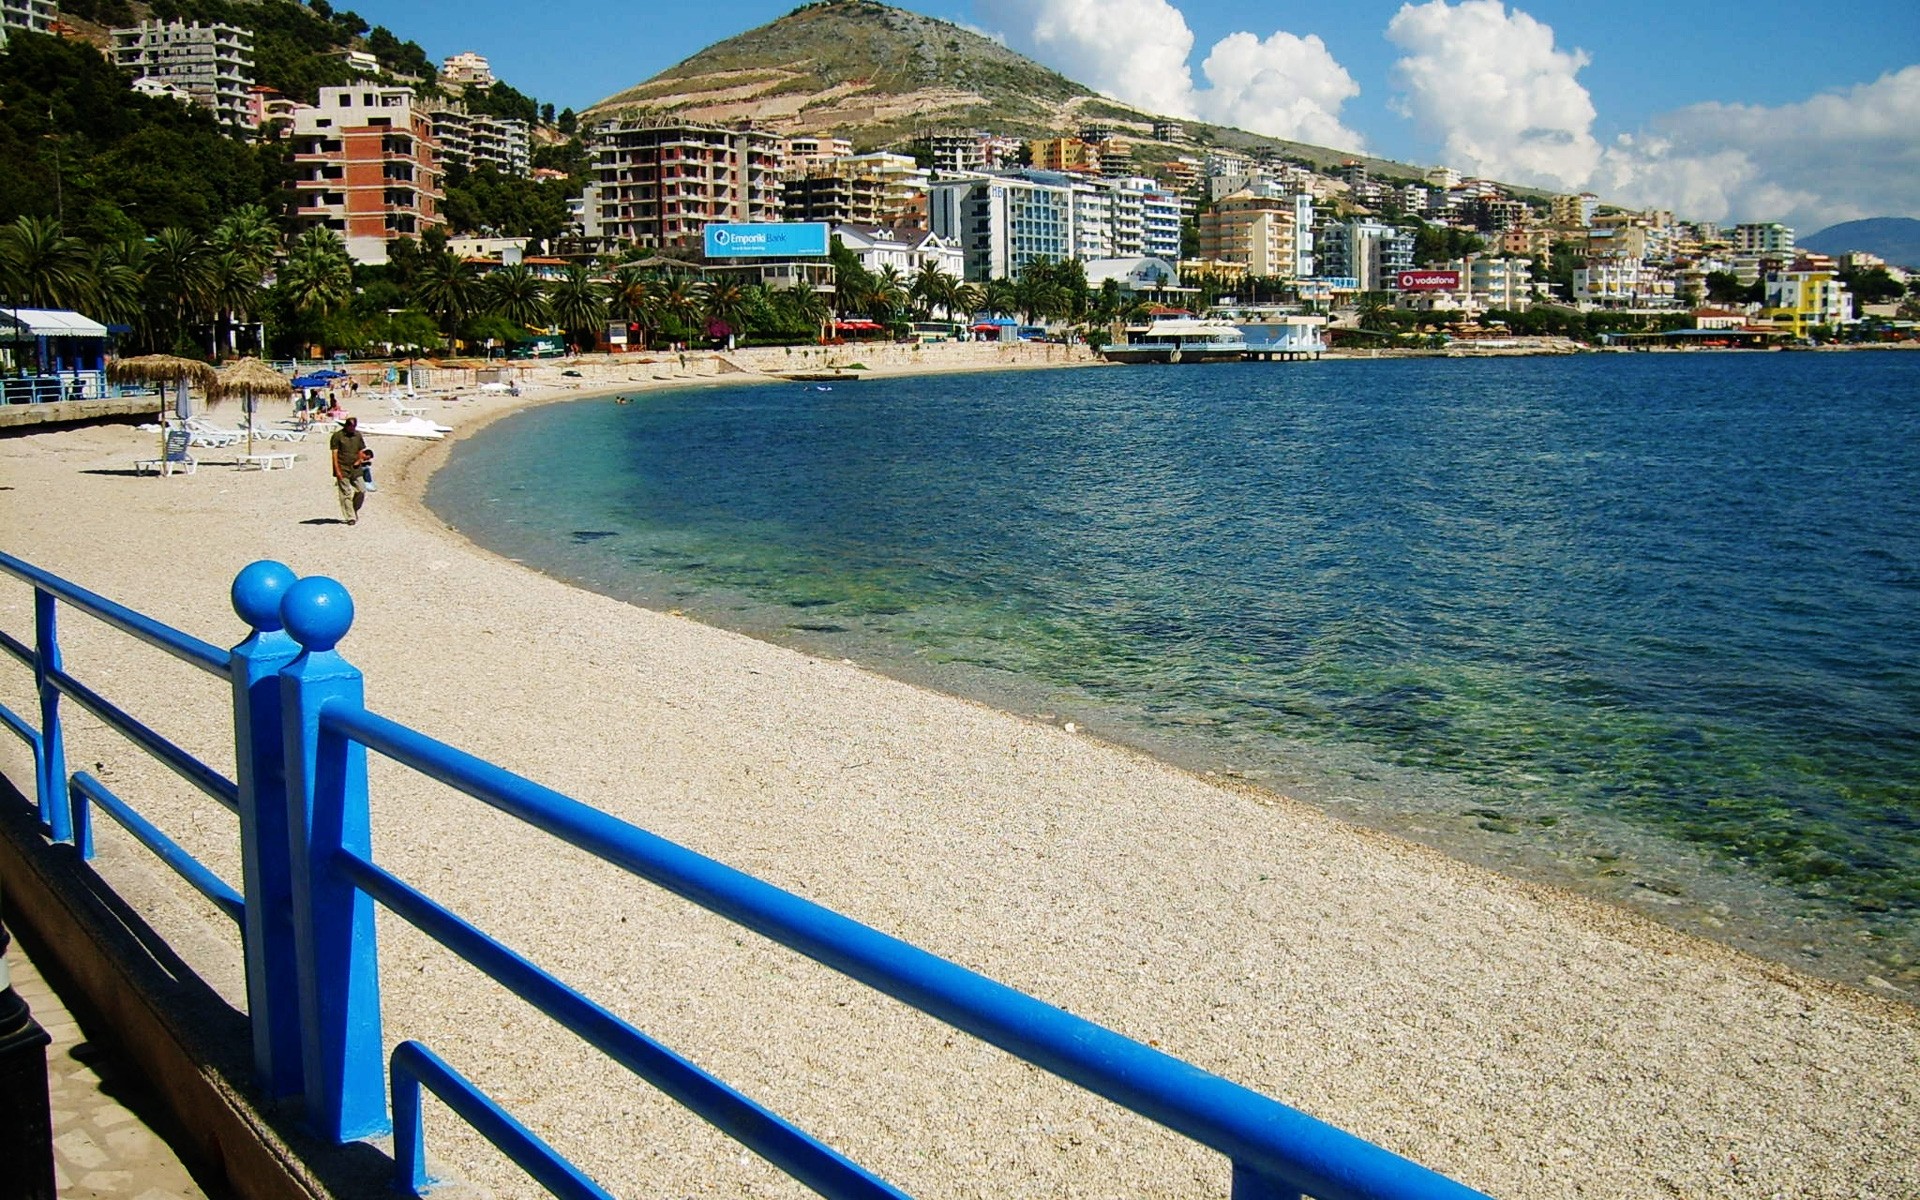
{"type": "Point", "coordinates": [48, 322]}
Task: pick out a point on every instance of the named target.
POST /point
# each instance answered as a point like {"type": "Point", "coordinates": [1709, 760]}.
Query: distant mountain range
{"type": "Point", "coordinates": [879, 75]}
{"type": "Point", "coordinates": [1896, 239]}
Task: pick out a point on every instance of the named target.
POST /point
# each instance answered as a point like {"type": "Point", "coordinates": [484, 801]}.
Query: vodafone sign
{"type": "Point", "coordinates": [1429, 281]}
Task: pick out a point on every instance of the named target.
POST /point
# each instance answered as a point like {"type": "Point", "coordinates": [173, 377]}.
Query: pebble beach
{"type": "Point", "coordinates": [1523, 1040]}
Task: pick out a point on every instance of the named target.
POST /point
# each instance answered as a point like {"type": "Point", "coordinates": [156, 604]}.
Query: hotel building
{"type": "Point", "coordinates": [367, 167]}
{"type": "Point", "coordinates": [1003, 224]}
{"type": "Point", "coordinates": [1271, 236]}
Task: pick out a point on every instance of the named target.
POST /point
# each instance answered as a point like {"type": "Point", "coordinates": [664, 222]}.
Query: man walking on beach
{"type": "Point", "coordinates": [350, 459]}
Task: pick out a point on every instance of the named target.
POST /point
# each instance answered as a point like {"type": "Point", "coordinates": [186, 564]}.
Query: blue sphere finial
{"type": "Point", "coordinates": [318, 612]}
{"type": "Point", "coordinates": [258, 590]}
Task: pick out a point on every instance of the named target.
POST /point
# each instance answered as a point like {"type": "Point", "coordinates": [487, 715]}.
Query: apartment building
{"type": "Point", "coordinates": [34, 16]}
{"type": "Point", "coordinates": [366, 166]}
{"type": "Point", "coordinates": [1063, 154]}
{"type": "Point", "coordinates": [1367, 252]}
{"type": "Point", "coordinates": [1271, 236]}
{"type": "Point", "coordinates": [1002, 224]}
{"type": "Point", "coordinates": [472, 140]}
{"type": "Point", "coordinates": [835, 199]}
{"type": "Point", "coordinates": [803, 153]}
{"type": "Point", "coordinates": [466, 70]}
{"type": "Point", "coordinates": [1763, 239]}
{"type": "Point", "coordinates": [660, 183]}
{"type": "Point", "coordinates": [1807, 296]}
{"type": "Point", "coordinates": [962, 152]}
{"type": "Point", "coordinates": [1574, 212]}
{"type": "Point", "coordinates": [903, 182]}
{"type": "Point", "coordinates": [211, 63]}
{"type": "Point", "coordinates": [1623, 283]}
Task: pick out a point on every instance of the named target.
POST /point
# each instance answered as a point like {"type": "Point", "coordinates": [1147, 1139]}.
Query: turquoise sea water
{"type": "Point", "coordinates": [1647, 626]}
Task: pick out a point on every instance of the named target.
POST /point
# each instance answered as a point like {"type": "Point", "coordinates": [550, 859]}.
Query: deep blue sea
{"type": "Point", "coordinates": [1647, 626]}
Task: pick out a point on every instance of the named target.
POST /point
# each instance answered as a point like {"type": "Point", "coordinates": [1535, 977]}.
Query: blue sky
{"type": "Point", "coordinates": [1756, 110]}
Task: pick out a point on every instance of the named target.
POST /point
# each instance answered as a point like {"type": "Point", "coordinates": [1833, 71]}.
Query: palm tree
{"type": "Point", "coordinates": [636, 299]}
{"type": "Point", "coordinates": [41, 267]}
{"type": "Point", "coordinates": [179, 281]}
{"type": "Point", "coordinates": [678, 303]}
{"type": "Point", "coordinates": [724, 303]}
{"type": "Point", "coordinates": [119, 282]}
{"type": "Point", "coordinates": [967, 299]}
{"type": "Point", "coordinates": [801, 306]}
{"type": "Point", "coordinates": [233, 290]}
{"type": "Point", "coordinates": [249, 233]}
{"type": "Point", "coordinates": [999, 297]}
{"type": "Point", "coordinates": [317, 277]}
{"type": "Point", "coordinates": [514, 292]}
{"type": "Point", "coordinates": [887, 302]}
{"type": "Point", "coordinates": [936, 290]}
{"type": "Point", "coordinates": [446, 287]}
{"type": "Point", "coordinates": [578, 303]}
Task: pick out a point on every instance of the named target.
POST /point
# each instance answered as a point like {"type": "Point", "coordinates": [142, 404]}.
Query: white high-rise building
{"type": "Point", "coordinates": [211, 63]}
{"type": "Point", "coordinates": [1003, 223]}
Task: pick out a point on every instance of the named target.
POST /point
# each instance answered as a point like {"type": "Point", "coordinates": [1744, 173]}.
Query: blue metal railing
{"type": "Point", "coordinates": [310, 886]}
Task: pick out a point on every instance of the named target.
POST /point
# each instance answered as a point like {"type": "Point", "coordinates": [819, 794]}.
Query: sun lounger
{"type": "Point", "coordinates": [173, 457]}
{"type": "Point", "coordinates": [268, 460]}
{"type": "Point", "coordinates": [204, 433]}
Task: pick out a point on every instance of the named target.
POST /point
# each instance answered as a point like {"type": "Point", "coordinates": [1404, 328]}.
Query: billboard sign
{"type": "Point", "coordinates": [798, 240]}
{"type": "Point", "coordinates": [1429, 281]}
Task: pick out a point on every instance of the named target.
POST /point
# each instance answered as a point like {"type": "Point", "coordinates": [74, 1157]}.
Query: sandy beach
{"type": "Point", "coordinates": [1520, 1039]}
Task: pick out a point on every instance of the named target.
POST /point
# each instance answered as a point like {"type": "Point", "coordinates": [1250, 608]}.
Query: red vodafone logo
{"type": "Point", "coordinates": [1429, 281]}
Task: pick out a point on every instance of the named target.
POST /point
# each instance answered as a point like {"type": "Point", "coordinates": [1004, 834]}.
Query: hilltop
{"type": "Point", "coordinates": [1896, 239]}
{"type": "Point", "coordinates": [880, 75]}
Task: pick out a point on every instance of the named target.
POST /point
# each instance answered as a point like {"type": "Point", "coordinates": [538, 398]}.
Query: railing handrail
{"type": "Point", "coordinates": [184, 646]}
{"type": "Point", "coordinates": [1247, 1126]}
{"type": "Point", "coordinates": [310, 885]}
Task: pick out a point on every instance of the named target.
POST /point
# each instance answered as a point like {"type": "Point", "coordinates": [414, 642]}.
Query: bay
{"type": "Point", "coordinates": [1640, 625]}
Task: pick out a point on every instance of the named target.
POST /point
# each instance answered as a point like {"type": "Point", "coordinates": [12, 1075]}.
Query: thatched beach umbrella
{"type": "Point", "coordinates": [249, 378]}
{"type": "Point", "coordinates": [161, 370]}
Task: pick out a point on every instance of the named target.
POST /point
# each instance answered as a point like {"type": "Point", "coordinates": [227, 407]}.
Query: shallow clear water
{"type": "Point", "coordinates": [1644, 625]}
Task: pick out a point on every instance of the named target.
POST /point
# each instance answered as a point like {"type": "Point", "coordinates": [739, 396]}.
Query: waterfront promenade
{"type": "Point", "coordinates": [1521, 1040]}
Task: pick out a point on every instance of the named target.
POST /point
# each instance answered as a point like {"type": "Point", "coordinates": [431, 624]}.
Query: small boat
{"type": "Point", "coordinates": [1179, 340]}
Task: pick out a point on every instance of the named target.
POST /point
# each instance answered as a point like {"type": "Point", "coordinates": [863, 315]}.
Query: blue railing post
{"type": "Point", "coordinates": [52, 781]}
{"type": "Point", "coordinates": [273, 997]}
{"type": "Point", "coordinates": [333, 928]}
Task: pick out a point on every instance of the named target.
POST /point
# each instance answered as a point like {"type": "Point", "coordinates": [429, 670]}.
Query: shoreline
{"type": "Point", "coordinates": [1514, 1035]}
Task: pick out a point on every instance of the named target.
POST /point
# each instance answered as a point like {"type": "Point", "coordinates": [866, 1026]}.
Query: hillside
{"type": "Point", "coordinates": [879, 75]}
{"type": "Point", "coordinates": [1896, 239]}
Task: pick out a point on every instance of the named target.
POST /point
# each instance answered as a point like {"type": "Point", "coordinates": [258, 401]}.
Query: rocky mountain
{"type": "Point", "coordinates": [879, 75]}
{"type": "Point", "coordinates": [1896, 239]}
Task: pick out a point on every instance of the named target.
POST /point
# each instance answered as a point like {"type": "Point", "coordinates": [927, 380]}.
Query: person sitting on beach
{"type": "Point", "coordinates": [350, 460]}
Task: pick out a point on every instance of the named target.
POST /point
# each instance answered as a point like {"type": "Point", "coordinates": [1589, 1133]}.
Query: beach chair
{"type": "Point", "coordinates": [173, 455]}
{"type": "Point", "coordinates": [403, 410]}
{"type": "Point", "coordinates": [277, 433]}
{"type": "Point", "coordinates": [204, 433]}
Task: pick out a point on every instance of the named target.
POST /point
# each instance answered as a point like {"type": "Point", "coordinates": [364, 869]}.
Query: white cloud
{"type": "Point", "coordinates": [1286, 86]}
{"type": "Point", "coordinates": [1837, 156]}
{"type": "Point", "coordinates": [1492, 88]}
{"type": "Point", "coordinates": [1137, 51]}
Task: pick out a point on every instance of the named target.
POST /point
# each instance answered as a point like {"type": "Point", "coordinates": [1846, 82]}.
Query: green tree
{"type": "Point", "coordinates": [250, 233]}
{"type": "Point", "coordinates": [515, 292]}
{"type": "Point", "coordinates": [316, 279]}
{"type": "Point", "coordinates": [579, 305]}
{"type": "Point", "coordinates": [180, 284]}
{"type": "Point", "coordinates": [233, 293]}
{"type": "Point", "coordinates": [724, 302]}
{"type": "Point", "coordinates": [445, 286]}
{"type": "Point", "coordinates": [42, 267]}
